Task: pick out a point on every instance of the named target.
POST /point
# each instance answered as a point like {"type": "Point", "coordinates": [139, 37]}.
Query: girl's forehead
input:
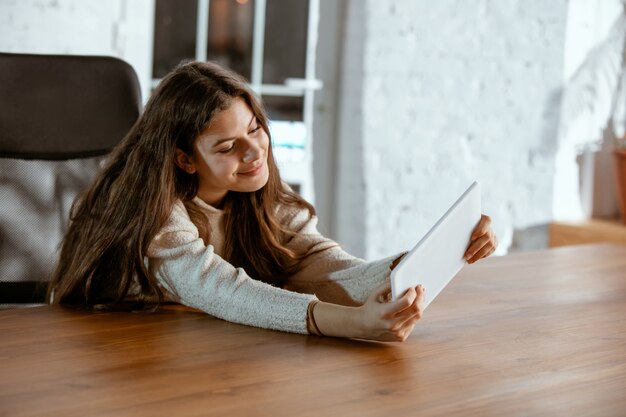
{"type": "Point", "coordinates": [231, 120]}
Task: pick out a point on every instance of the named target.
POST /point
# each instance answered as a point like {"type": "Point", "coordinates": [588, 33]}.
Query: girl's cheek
{"type": "Point", "coordinates": [263, 140]}
{"type": "Point", "coordinates": [224, 168]}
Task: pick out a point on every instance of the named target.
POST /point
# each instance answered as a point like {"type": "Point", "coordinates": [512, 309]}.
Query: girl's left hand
{"type": "Point", "coordinates": [483, 241]}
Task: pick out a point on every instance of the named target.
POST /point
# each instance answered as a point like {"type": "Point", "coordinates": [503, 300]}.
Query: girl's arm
{"type": "Point", "coordinates": [195, 276]}
{"type": "Point", "coordinates": [327, 270]}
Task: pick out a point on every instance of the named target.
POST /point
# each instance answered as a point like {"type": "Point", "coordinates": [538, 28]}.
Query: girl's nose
{"type": "Point", "coordinates": [253, 153]}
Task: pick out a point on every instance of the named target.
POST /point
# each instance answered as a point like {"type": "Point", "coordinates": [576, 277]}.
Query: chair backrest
{"type": "Point", "coordinates": [59, 116]}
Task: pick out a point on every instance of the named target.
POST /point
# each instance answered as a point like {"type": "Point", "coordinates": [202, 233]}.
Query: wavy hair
{"type": "Point", "coordinates": [112, 223]}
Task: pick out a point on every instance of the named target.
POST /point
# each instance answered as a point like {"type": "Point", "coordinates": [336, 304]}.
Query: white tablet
{"type": "Point", "coordinates": [438, 256]}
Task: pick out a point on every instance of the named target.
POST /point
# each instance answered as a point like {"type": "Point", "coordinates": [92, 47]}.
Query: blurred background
{"type": "Point", "coordinates": [384, 111]}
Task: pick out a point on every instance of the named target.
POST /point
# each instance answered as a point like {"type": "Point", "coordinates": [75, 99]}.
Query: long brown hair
{"type": "Point", "coordinates": [113, 222]}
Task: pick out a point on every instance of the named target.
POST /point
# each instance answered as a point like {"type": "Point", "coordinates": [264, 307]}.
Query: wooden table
{"type": "Point", "coordinates": [532, 334]}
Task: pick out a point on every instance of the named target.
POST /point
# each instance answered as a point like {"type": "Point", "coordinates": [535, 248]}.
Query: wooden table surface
{"type": "Point", "coordinates": [533, 334]}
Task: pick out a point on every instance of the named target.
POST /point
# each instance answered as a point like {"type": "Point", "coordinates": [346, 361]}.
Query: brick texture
{"type": "Point", "coordinates": [437, 94]}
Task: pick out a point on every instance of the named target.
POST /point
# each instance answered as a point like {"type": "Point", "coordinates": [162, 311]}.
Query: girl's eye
{"type": "Point", "coordinates": [256, 129]}
{"type": "Point", "coordinates": [226, 150]}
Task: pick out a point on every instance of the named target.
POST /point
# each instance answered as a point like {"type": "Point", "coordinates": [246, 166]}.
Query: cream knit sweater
{"type": "Point", "coordinates": [195, 274]}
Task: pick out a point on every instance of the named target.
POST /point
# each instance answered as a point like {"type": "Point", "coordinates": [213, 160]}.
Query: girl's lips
{"type": "Point", "coordinates": [253, 172]}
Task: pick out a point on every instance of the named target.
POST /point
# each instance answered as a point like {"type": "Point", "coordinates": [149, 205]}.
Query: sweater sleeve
{"type": "Point", "coordinates": [197, 277]}
{"type": "Point", "coordinates": [327, 270]}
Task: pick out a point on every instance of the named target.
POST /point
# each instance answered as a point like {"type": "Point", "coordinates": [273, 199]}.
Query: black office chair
{"type": "Point", "coordinates": [59, 117]}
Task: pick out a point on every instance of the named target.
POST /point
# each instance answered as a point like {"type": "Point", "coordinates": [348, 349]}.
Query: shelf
{"type": "Point", "coordinates": [587, 231]}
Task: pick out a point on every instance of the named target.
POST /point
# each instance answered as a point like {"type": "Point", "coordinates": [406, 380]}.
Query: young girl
{"type": "Point", "coordinates": [191, 208]}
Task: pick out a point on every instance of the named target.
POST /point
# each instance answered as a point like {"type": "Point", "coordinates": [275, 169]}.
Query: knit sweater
{"type": "Point", "coordinates": [195, 274]}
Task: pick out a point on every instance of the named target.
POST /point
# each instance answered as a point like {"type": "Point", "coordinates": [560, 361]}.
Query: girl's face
{"type": "Point", "coordinates": [229, 155]}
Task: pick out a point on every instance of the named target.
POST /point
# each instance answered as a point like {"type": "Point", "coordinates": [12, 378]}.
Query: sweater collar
{"type": "Point", "coordinates": [207, 207]}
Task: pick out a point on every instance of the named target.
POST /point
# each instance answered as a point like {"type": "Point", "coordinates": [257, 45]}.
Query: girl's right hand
{"type": "Point", "coordinates": [390, 321]}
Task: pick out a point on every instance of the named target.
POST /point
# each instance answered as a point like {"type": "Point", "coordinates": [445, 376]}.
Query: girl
{"type": "Point", "coordinates": [191, 208]}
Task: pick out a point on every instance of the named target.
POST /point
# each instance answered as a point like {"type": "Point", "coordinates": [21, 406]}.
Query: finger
{"type": "Point", "coordinates": [392, 308]}
{"type": "Point", "coordinates": [412, 313]}
{"type": "Point", "coordinates": [412, 322]}
{"type": "Point", "coordinates": [421, 296]}
{"type": "Point", "coordinates": [475, 246]}
{"type": "Point", "coordinates": [405, 326]}
{"type": "Point", "coordinates": [482, 227]}
{"type": "Point", "coordinates": [406, 313]}
{"type": "Point", "coordinates": [482, 253]}
{"type": "Point", "coordinates": [415, 308]}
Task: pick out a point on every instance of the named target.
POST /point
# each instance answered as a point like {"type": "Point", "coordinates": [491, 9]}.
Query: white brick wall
{"type": "Point", "coordinates": [444, 93]}
{"type": "Point", "coordinates": [120, 28]}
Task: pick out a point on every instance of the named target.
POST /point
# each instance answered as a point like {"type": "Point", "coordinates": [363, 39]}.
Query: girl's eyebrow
{"type": "Point", "coordinates": [220, 141]}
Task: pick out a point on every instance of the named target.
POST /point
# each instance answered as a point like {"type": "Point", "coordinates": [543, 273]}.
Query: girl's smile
{"type": "Point", "coordinates": [254, 171]}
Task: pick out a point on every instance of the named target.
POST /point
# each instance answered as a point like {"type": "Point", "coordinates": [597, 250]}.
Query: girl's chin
{"type": "Point", "coordinates": [255, 184]}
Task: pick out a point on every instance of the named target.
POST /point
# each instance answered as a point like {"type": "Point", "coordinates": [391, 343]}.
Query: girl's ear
{"type": "Point", "coordinates": [184, 162]}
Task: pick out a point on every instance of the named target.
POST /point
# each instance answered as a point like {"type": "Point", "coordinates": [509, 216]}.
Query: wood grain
{"type": "Point", "coordinates": [532, 334]}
